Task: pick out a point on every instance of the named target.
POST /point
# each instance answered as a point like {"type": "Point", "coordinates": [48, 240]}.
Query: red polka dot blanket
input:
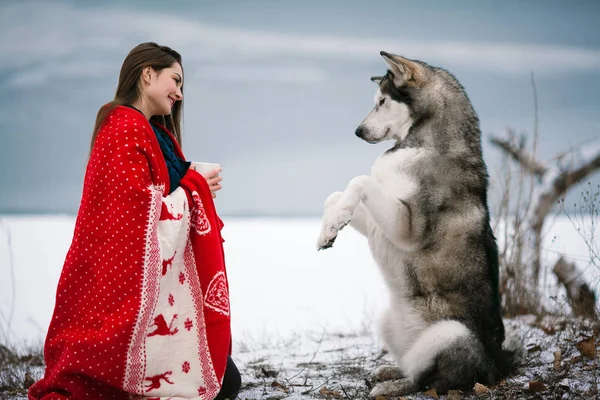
{"type": "Point", "coordinates": [142, 305]}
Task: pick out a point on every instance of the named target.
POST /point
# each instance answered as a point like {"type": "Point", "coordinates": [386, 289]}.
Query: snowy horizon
{"type": "Point", "coordinates": [280, 285]}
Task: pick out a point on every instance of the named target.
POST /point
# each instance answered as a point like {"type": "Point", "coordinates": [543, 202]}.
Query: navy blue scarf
{"type": "Point", "coordinates": [176, 166]}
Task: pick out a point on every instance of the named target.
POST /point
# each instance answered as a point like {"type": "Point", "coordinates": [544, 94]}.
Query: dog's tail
{"type": "Point", "coordinates": [447, 355]}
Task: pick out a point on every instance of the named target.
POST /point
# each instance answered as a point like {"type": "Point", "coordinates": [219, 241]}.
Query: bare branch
{"type": "Point", "coordinates": [555, 185]}
{"type": "Point", "coordinates": [522, 156]}
{"type": "Point", "coordinates": [560, 184]}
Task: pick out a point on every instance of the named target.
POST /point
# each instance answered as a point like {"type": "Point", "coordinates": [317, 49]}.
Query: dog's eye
{"type": "Point", "coordinates": [381, 101]}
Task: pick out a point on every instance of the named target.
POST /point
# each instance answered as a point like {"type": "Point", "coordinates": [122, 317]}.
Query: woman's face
{"type": "Point", "coordinates": [163, 89]}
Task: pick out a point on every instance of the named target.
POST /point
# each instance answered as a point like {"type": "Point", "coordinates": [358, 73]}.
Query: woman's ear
{"type": "Point", "coordinates": [147, 75]}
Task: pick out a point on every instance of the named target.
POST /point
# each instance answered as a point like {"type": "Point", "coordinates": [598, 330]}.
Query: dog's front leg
{"type": "Point", "coordinates": [391, 215]}
{"type": "Point", "coordinates": [339, 211]}
{"type": "Point", "coordinates": [359, 219]}
{"type": "Point", "coordinates": [327, 235]}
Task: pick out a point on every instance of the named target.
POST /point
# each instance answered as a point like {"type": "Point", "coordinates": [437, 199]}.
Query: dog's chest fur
{"type": "Point", "coordinates": [397, 172]}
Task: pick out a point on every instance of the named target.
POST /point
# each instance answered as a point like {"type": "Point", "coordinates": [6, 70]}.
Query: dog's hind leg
{"type": "Point", "coordinates": [387, 373]}
{"type": "Point", "coordinates": [446, 355]}
{"type": "Point", "coordinates": [399, 387]}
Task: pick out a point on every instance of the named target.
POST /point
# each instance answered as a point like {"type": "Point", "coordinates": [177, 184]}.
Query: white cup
{"type": "Point", "coordinates": [204, 167]}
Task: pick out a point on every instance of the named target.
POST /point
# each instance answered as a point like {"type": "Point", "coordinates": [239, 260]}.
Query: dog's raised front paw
{"type": "Point", "coordinates": [326, 237]}
{"type": "Point", "coordinates": [334, 220]}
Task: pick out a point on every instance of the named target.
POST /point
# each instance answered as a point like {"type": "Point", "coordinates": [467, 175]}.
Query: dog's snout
{"type": "Point", "coordinates": [360, 132]}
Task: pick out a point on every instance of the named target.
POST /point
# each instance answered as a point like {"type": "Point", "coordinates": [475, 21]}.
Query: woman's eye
{"type": "Point", "coordinates": [381, 101]}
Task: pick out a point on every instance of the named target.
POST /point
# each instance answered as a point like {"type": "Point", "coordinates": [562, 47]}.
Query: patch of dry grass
{"type": "Point", "coordinates": [19, 370]}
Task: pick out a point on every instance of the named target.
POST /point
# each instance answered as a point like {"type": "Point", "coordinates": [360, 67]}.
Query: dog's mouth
{"type": "Point", "coordinates": [385, 134]}
{"type": "Point", "coordinates": [383, 137]}
{"type": "Point", "coordinates": [365, 134]}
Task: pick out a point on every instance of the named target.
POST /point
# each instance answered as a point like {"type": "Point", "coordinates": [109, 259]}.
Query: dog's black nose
{"type": "Point", "coordinates": [360, 132]}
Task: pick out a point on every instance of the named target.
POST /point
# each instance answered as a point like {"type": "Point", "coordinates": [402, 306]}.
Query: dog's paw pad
{"type": "Point", "coordinates": [325, 247]}
{"type": "Point", "coordinates": [324, 243]}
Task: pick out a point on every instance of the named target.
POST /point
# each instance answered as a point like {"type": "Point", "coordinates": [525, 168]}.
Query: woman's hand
{"type": "Point", "coordinates": [213, 179]}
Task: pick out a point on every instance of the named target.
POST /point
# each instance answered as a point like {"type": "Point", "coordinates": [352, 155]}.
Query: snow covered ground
{"type": "Point", "coordinates": [559, 361]}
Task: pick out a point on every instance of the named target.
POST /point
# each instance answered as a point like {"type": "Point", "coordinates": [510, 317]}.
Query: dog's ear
{"type": "Point", "coordinates": [405, 71]}
{"type": "Point", "coordinates": [377, 79]}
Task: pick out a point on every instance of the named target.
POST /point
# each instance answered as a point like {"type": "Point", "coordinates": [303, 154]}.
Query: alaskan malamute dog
{"type": "Point", "coordinates": [424, 212]}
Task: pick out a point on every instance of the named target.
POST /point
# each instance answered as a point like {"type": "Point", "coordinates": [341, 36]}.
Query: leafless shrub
{"type": "Point", "coordinates": [529, 195]}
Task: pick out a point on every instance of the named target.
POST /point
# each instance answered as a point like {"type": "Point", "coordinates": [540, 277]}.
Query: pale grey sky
{"type": "Point", "coordinates": [275, 89]}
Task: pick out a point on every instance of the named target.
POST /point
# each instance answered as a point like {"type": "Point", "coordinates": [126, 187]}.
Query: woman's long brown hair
{"type": "Point", "coordinates": [128, 90]}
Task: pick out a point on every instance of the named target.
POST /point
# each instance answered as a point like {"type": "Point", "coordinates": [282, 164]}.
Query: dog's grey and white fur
{"type": "Point", "coordinates": [424, 212]}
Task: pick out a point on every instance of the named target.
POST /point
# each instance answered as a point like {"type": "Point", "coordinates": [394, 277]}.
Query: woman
{"type": "Point", "coordinates": [142, 305]}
